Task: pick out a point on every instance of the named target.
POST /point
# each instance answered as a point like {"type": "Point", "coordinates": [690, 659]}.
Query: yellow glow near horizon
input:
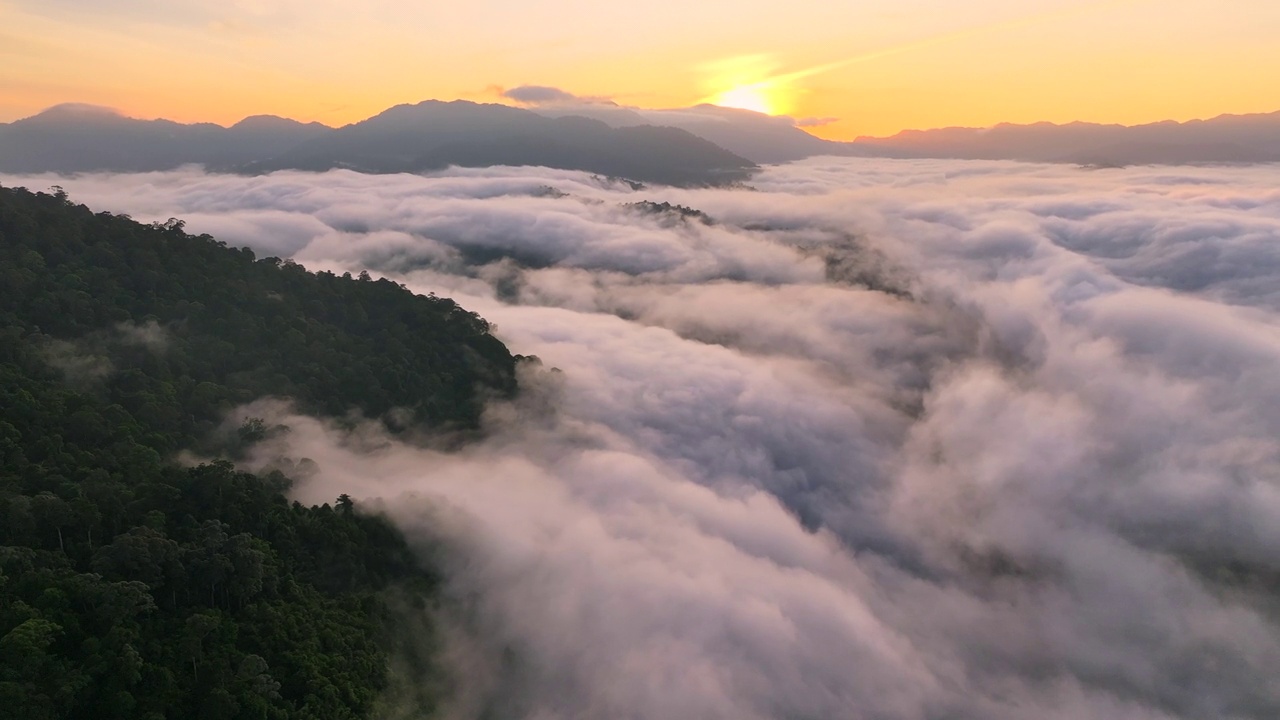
{"type": "Point", "coordinates": [747, 97]}
{"type": "Point", "coordinates": [748, 82]}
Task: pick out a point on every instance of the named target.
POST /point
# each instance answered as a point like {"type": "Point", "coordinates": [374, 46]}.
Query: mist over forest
{"type": "Point", "coordinates": [871, 438]}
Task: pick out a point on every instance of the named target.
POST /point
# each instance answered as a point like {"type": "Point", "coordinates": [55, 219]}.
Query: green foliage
{"type": "Point", "coordinates": [131, 587]}
{"type": "Point", "coordinates": [191, 327]}
{"type": "Point", "coordinates": [667, 211]}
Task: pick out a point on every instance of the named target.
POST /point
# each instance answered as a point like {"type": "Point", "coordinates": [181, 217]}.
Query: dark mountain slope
{"type": "Point", "coordinates": [407, 138]}
{"type": "Point", "coordinates": [81, 138]}
{"type": "Point", "coordinates": [433, 135]}
{"type": "Point", "coordinates": [132, 587]}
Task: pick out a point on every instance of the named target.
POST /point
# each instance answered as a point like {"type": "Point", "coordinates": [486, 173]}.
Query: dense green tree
{"type": "Point", "coordinates": [133, 587]}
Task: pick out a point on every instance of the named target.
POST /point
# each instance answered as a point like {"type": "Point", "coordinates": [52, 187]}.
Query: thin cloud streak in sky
{"type": "Point", "coordinates": [887, 440]}
{"type": "Point", "coordinates": [785, 79]}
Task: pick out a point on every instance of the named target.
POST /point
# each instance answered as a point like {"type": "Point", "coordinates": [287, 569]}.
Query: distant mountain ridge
{"type": "Point", "coordinates": [700, 145]}
{"type": "Point", "coordinates": [430, 135]}
{"type": "Point", "coordinates": [1226, 139]}
{"type": "Point", "coordinates": [79, 138]}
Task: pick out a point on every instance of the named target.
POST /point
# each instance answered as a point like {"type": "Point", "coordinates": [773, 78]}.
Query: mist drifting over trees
{"type": "Point", "coordinates": [882, 439]}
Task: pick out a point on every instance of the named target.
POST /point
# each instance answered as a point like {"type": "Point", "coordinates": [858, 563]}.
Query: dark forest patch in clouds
{"type": "Point", "coordinates": [1015, 458]}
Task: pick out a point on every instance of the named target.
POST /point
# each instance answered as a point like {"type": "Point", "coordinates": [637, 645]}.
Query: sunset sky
{"type": "Point", "coordinates": [871, 67]}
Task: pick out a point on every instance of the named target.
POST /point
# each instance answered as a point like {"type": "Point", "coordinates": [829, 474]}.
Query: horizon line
{"type": "Point", "coordinates": [117, 112]}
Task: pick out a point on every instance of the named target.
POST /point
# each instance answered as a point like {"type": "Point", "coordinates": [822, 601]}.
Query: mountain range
{"type": "Point", "coordinates": [1224, 139]}
{"type": "Point", "coordinates": [430, 135]}
{"type": "Point", "coordinates": [704, 145]}
{"type": "Point", "coordinates": [769, 139]}
{"type": "Point", "coordinates": [77, 138]}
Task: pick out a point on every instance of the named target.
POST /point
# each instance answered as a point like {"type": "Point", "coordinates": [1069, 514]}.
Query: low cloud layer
{"type": "Point", "coordinates": [539, 95]}
{"type": "Point", "coordinates": [882, 439]}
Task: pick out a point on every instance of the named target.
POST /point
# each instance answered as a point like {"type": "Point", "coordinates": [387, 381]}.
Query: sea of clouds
{"type": "Point", "coordinates": [883, 439]}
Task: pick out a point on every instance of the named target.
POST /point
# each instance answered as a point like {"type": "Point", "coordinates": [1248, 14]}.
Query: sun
{"type": "Point", "coordinates": [747, 82]}
{"type": "Point", "coordinates": [754, 97]}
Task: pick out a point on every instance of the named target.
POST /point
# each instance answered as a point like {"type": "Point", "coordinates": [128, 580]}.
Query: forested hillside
{"type": "Point", "coordinates": [133, 587]}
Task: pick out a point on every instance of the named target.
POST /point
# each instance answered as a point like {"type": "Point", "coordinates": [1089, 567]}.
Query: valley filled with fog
{"type": "Point", "coordinates": [869, 439]}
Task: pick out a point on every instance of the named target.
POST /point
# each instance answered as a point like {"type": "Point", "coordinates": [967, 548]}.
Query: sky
{"type": "Point", "coordinates": [871, 67]}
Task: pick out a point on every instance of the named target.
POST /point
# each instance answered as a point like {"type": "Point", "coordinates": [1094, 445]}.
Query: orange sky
{"type": "Point", "coordinates": [877, 66]}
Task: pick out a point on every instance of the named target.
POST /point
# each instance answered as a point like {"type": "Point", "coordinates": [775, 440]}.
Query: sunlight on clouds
{"type": "Point", "coordinates": [747, 97]}
{"type": "Point", "coordinates": [748, 82]}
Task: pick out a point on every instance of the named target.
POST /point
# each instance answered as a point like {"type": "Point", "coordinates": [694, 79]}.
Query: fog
{"type": "Point", "coordinates": [876, 439]}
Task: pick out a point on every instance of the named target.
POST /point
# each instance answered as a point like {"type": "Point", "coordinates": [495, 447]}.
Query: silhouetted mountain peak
{"type": "Point", "coordinates": [258, 123]}
{"type": "Point", "coordinates": [77, 138]}
{"type": "Point", "coordinates": [432, 135]}
{"type": "Point", "coordinates": [75, 113]}
{"type": "Point", "coordinates": [442, 108]}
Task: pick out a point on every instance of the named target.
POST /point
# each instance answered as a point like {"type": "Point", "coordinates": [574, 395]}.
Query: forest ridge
{"type": "Point", "coordinates": [133, 587]}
